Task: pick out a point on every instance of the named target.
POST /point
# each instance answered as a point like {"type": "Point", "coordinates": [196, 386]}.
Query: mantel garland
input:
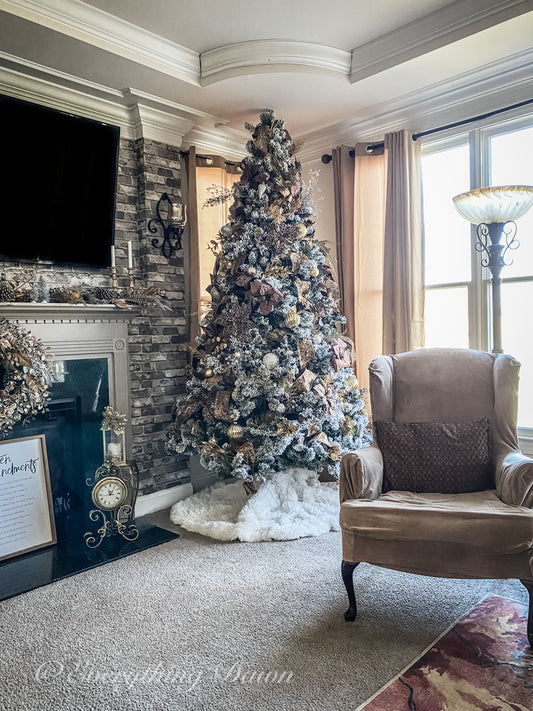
{"type": "Point", "coordinates": [25, 376]}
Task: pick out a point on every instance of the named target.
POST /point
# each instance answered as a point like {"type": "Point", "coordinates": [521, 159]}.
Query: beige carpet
{"type": "Point", "coordinates": [203, 625]}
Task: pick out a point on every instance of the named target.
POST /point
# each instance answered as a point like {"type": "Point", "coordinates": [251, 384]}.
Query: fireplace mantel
{"type": "Point", "coordinates": [66, 313]}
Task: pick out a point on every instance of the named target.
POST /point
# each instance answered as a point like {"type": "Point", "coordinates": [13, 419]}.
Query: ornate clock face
{"type": "Point", "coordinates": [109, 493]}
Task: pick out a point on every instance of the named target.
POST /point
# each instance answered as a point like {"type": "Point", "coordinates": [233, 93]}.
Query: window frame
{"type": "Point", "coordinates": [478, 139]}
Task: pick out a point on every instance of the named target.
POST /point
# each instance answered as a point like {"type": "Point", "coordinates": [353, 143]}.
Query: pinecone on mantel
{"type": "Point", "coordinates": [106, 293]}
{"type": "Point", "coordinates": [7, 292]}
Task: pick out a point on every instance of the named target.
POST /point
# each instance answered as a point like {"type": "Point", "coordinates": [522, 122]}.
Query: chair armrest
{"type": "Point", "coordinates": [514, 479]}
{"type": "Point", "coordinates": [361, 474]}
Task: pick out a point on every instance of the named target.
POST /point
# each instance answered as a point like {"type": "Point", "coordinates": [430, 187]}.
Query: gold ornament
{"type": "Point", "coordinates": [303, 288]}
{"type": "Point", "coordinates": [208, 373]}
{"type": "Point", "coordinates": [248, 451]}
{"type": "Point", "coordinates": [235, 431]}
{"type": "Point", "coordinates": [292, 320]}
{"type": "Point", "coordinates": [314, 272]}
{"type": "Point", "coordinates": [302, 231]}
{"type": "Point", "coordinates": [335, 453]}
{"type": "Point", "coordinates": [352, 383]}
{"type": "Point", "coordinates": [348, 425]}
{"type": "Point", "coordinates": [284, 428]}
{"type": "Point", "coordinates": [277, 270]}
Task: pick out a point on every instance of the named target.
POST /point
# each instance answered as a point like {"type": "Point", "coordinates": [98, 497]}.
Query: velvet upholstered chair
{"type": "Point", "coordinates": [444, 490]}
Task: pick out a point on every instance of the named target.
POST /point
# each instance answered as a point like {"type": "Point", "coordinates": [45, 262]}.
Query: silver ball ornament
{"type": "Point", "coordinates": [271, 360]}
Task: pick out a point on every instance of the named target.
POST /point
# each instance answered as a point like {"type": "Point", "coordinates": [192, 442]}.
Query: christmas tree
{"type": "Point", "coordinates": [271, 385]}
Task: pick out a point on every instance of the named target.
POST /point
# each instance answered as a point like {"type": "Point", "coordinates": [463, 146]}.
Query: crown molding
{"type": "Point", "coordinates": [159, 125]}
{"type": "Point", "coordinates": [113, 34]}
{"type": "Point", "coordinates": [137, 113]}
{"type": "Point", "coordinates": [261, 56]}
{"type": "Point", "coordinates": [227, 142]}
{"type": "Point", "coordinates": [136, 96]}
{"type": "Point", "coordinates": [101, 29]}
{"type": "Point", "coordinates": [37, 90]}
{"type": "Point", "coordinates": [449, 24]}
{"type": "Point", "coordinates": [504, 82]}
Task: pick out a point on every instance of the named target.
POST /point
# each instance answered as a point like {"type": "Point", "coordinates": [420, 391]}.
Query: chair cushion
{"type": "Point", "coordinates": [446, 457]}
{"type": "Point", "coordinates": [449, 535]}
{"type": "Point", "coordinates": [479, 518]}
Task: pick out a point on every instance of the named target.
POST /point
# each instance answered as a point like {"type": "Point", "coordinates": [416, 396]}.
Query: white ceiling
{"type": "Point", "coordinates": [324, 63]}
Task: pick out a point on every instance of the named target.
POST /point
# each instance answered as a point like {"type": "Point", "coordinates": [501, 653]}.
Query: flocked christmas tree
{"type": "Point", "coordinates": [271, 385]}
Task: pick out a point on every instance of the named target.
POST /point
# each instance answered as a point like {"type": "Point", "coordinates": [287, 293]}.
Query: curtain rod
{"type": "Point", "coordinates": [326, 158]}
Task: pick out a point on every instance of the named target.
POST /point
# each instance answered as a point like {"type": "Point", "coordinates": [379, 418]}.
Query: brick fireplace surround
{"type": "Point", "coordinates": [156, 340]}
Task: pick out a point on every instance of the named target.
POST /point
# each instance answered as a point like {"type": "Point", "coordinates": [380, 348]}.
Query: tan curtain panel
{"type": "Point", "coordinates": [370, 179]}
{"type": "Point", "coordinates": [210, 220]}
{"type": "Point", "coordinates": [360, 187]}
{"type": "Point", "coordinates": [403, 266]}
{"type": "Point", "coordinates": [203, 172]}
{"type": "Point", "coordinates": [194, 249]}
{"type": "Point", "coordinates": [378, 215]}
{"type": "Point", "coordinates": [343, 194]}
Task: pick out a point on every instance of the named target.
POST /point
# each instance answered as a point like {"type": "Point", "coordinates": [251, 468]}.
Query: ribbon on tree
{"type": "Point", "coordinates": [267, 295]}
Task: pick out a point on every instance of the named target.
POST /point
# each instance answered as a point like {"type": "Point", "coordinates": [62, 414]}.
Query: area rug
{"type": "Point", "coordinates": [483, 662]}
{"type": "Point", "coordinates": [292, 504]}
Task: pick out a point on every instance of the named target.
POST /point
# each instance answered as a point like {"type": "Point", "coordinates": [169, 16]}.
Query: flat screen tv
{"type": "Point", "coordinates": [59, 185]}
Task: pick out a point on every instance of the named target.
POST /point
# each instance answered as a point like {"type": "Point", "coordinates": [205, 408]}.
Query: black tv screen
{"type": "Point", "coordinates": [58, 196]}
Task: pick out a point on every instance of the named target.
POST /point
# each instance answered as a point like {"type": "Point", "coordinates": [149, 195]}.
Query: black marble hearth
{"type": "Point", "coordinates": [70, 556]}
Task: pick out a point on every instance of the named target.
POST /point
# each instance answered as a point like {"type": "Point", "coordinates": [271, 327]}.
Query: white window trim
{"type": "Point", "coordinates": [478, 137]}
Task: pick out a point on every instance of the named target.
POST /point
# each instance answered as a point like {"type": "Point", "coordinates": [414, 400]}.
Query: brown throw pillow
{"type": "Point", "coordinates": [444, 457]}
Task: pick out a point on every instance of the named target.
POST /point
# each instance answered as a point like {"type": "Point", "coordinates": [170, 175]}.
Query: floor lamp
{"type": "Point", "coordinates": [494, 210]}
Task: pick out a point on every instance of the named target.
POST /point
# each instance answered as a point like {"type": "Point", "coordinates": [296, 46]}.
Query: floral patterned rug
{"type": "Point", "coordinates": [483, 662]}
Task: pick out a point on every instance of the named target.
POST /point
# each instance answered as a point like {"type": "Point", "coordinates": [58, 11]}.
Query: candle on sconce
{"type": "Point", "coordinates": [113, 258]}
{"type": "Point", "coordinates": [175, 213]}
{"type": "Point", "coordinates": [130, 255]}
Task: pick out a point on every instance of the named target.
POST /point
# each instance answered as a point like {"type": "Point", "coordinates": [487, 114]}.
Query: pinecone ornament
{"type": "Point", "coordinates": [7, 293]}
{"type": "Point", "coordinates": [106, 294]}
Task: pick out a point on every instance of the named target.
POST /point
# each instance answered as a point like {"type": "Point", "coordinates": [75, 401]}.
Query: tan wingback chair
{"type": "Point", "coordinates": [484, 533]}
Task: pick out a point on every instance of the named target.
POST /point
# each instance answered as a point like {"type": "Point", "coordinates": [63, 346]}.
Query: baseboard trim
{"type": "Point", "coordinates": [164, 499]}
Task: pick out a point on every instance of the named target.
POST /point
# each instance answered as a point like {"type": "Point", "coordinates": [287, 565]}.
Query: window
{"type": "Point", "coordinates": [210, 220]}
{"type": "Point", "coordinates": [457, 287]}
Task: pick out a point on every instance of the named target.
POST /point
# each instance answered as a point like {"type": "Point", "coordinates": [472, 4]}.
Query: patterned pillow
{"type": "Point", "coordinates": [444, 457]}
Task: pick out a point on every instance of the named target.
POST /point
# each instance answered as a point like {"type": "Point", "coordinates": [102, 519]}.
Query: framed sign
{"type": "Point", "coordinates": [26, 508]}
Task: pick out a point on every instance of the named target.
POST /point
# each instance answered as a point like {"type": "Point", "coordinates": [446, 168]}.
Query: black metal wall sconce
{"type": "Point", "coordinates": [172, 228]}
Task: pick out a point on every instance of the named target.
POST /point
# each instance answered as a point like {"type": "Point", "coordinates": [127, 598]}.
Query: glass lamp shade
{"type": "Point", "coordinates": [114, 446]}
{"type": "Point", "coordinates": [496, 204]}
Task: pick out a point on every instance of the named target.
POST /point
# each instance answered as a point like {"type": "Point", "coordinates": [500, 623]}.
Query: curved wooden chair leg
{"type": "Point", "coordinates": [528, 584]}
{"type": "Point", "coordinates": [347, 569]}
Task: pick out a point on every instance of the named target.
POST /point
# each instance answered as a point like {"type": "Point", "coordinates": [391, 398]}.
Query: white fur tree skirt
{"type": "Point", "coordinates": [293, 504]}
